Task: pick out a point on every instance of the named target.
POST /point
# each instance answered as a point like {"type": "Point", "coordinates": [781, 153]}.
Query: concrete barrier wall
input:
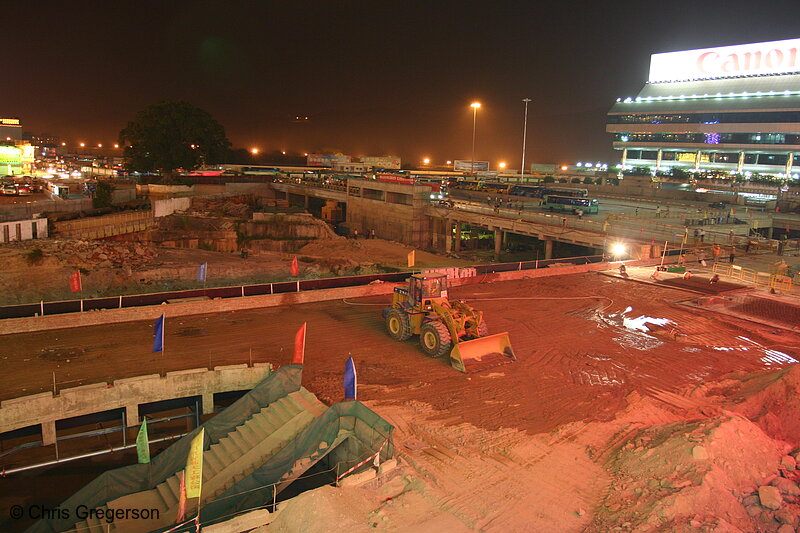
{"type": "Point", "coordinates": [26, 211]}
{"type": "Point", "coordinates": [133, 314]}
{"type": "Point", "coordinates": [46, 408]}
{"type": "Point", "coordinates": [162, 208]}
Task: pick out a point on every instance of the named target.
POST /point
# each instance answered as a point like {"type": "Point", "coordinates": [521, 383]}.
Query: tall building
{"type": "Point", "coordinates": [10, 130]}
{"type": "Point", "coordinates": [731, 108]}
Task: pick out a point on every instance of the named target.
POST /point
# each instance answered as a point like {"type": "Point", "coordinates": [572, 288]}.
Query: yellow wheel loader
{"type": "Point", "coordinates": [445, 327]}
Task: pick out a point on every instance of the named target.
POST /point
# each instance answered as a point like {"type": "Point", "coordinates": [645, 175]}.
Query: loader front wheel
{"type": "Point", "coordinates": [435, 339]}
{"type": "Point", "coordinates": [398, 325]}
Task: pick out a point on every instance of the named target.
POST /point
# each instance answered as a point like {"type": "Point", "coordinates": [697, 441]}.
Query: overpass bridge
{"type": "Point", "coordinates": [404, 213]}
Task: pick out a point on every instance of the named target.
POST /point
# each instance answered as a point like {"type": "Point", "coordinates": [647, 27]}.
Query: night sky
{"type": "Point", "coordinates": [374, 78]}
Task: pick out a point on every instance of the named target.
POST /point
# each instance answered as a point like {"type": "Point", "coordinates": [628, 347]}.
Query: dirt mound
{"type": "Point", "coordinates": [773, 402]}
{"type": "Point", "coordinates": [323, 510]}
{"type": "Point", "coordinates": [693, 475]}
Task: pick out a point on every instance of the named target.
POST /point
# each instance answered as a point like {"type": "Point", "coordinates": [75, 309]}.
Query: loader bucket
{"type": "Point", "coordinates": [482, 353]}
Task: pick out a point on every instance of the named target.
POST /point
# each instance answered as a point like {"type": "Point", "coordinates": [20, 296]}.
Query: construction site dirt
{"type": "Point", "coordinates": [610, 374]}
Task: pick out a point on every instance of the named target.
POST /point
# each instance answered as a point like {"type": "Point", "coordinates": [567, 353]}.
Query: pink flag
{"type": "Point", "coordinates": [299, 345]}
{"type": "Point", "coordinates": [75, 281]}
{"type": "Point", "coordinates": [295, 267]}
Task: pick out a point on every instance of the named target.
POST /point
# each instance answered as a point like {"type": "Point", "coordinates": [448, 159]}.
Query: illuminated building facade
{"type": "Point", "coordinates": [734, 109]}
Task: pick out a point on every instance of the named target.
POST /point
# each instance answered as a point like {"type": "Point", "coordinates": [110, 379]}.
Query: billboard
{"type": "Point", "coordinates": [467, 166]}
{"type": "Point", "coordinates": [382, 162]}
{"type": "Point", "coordinates": [10, 155]}
{"type": "Point", "coordinates": [726, 61]}
{"type": "Point", "coordinates": [326, 160]}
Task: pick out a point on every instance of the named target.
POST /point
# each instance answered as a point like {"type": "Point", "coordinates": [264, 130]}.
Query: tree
{"type": "Point", "coordinates": [171, 135]}
{"type": "Point", "coordinates": [102, 195]}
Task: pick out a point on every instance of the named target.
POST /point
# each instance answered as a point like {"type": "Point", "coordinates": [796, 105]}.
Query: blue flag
{"type": "Point", "coordinates": [350, 380]}
{"type": "Point", "coordinates": [158, 334]}
{"type": "Point", "coordinates": [201, 272]}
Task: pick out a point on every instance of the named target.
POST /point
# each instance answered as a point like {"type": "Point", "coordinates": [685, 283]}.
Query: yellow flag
{"type": "Point", "coordinates": [412, 256]}
{"type": "Point", "coordinates": [194, 466]}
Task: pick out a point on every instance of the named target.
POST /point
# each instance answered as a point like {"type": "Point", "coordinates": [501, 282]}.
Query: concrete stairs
{"type": "Point", "coordinates": [225, 463]}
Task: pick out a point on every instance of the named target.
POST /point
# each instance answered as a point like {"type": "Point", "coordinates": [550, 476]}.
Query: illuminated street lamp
{"type": "Point", "coordinates": [502, 165]}
{"type": "Point", "coordinates": [426, 161]}
{"type": "Point", "coordinates": [99, 145]}
{"type": "Point", "coordinates": [254, 151]}
{"type": "Point", "coordinates": [116, 145]}
{"type": "Point", "coordinates": [83, 145]}
{"type": "Point", "coordinates": [475, 106]}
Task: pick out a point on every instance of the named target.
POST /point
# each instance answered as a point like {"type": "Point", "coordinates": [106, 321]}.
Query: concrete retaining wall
{"type": "Point", "coordinates": [47, 408]}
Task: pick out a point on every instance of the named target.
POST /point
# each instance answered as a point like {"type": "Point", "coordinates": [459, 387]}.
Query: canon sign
{"type": "Point", "coordinates": [726, 61]}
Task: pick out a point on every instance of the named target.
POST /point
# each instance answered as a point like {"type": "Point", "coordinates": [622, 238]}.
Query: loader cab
{"type": "Point", "coordinates": [426, 287]}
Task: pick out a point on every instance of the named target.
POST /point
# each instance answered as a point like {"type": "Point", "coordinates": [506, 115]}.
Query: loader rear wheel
{"type": "Point", "coordinates": [435, 339]}
{"type": "Point", "coordinates": [398, 325]}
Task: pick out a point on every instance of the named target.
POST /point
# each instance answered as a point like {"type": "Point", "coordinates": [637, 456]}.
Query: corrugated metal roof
{"type": "Point", "coordinates": [764, 84]}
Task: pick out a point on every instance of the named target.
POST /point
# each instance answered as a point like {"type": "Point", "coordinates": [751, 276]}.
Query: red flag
{"type": "Point", "coordinates": [299, 345]}
{"type": "Point", "coordinates": [75, 281]}
{"type": "Point", "coordinates": [181, 500]}
{"type": "Point", "coordinates": [295, 267]}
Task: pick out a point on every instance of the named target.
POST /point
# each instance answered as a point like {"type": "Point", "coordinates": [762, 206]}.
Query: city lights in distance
{"type": "Point", "coordinates": [502, 164]}
{"type": "Point", "coordinates": [99, 145]}
{"type": "Point", "coordinates": [63, 144]}
{"type": "Point", "coordinates": [564, 167]}
{"type": "Point", "coordinates": [283, 152]}
{"type": "Point", "coordinates": [449, 162]}
{"type": "Point", "coordinates": [426, 160]}
{"type": "Point", "coordinates": [254, 151]}
{"type": "Point", "coordinates": [83, 145]}
{"type": "Point", "coordinates": [116, 145]}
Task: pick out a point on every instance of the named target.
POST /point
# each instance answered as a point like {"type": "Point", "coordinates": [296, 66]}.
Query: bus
{"type": "Point", "coordinates": [540, 191]}
{"type": "Point", "coordinates": [589, 206]}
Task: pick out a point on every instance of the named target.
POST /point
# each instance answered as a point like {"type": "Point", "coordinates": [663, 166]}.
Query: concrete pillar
{"type": "Point", "coordinates": [208, 403]}
{"type": "Point", "coordinates": [548, 248]}
{"type": "Point", "coordinates": [789, 163]}
{"type": "Point", "coordinates": [769, 232]}
{"type": "Point", "coordinates": [132, 415]}
{"type": "Point", "coordinates": [740, 165]}
{"type": "Point", "coordinates": [498, 243]}
{"type": "Point", "coordinates": [624, 157]}
{"type": "Point", "coordinates": [658, 158]}
{"type": "Point", "coordinates": [697, 157]}
{"type": "Point", "coordinates": [306, 200]}
{"type": "Point", "coordinates": [458, 236]}
{"type": "Point", "coordinates": [435, 227]}
{"type": "Point", "coordinates": [448, 236]}
{"type": "Point", "coordinates": [48, 433]}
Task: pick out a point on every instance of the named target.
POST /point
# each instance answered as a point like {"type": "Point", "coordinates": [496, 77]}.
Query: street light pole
{"type": "Point", "coordinates": [524, 139]}
{"type": "Point", "coordinates": [474, 106]}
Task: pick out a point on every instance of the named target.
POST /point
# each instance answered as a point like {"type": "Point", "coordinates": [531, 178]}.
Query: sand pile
{"type": "Point", "coordinates": [718, 474]}
{"type": "Point", "coordinates": [775, 404]}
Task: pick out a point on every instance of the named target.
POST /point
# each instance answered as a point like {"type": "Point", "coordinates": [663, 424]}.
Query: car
{"type": "Point", "coordinates": [9, 190]}
{"type": "Point", "coordinates": [718, 205]}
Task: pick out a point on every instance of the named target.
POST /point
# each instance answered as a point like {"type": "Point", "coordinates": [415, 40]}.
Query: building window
{"type": "Point", "coordinates": [772, 159]}
{"type": "Point", "coordinates": [649, 154]}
